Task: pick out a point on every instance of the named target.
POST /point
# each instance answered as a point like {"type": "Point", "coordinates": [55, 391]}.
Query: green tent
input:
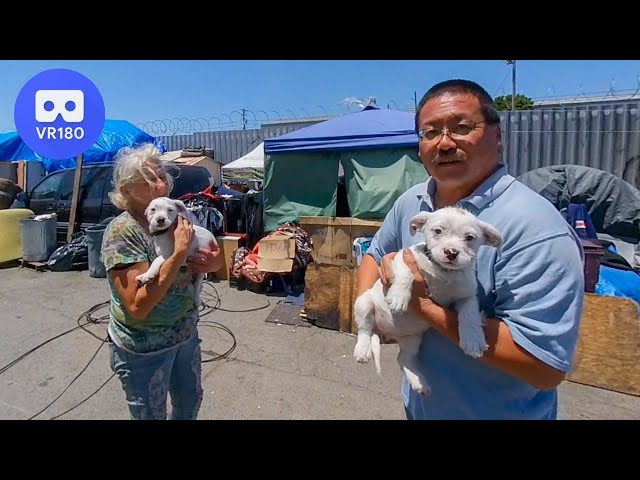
{"type": "Point", "coordinates": [377, 150]}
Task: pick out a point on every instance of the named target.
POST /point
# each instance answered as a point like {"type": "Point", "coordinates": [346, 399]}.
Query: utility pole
{"type": "Point", "coordinates": [513, 82]}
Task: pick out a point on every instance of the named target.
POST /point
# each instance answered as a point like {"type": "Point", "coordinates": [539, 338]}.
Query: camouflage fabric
{"type": "Point", "coordinates": [173, 319]}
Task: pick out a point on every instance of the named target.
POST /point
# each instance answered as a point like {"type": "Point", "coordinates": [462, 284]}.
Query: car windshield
{"type": "Point", "coordinates": [188, 179]}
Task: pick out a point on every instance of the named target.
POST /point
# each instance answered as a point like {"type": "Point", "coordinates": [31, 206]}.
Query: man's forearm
{"type": "Point", "coordinates": [503, 353]}
{"type": "Point", "coordinates": [368, 273]}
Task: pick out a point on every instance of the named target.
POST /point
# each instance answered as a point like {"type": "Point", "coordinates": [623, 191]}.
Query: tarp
{"type": "Point", "coordinates": [613, 204]}
{"type": "Point", "coordinates": [374, 179]}
{"type": "Point", "coordinates": [618, 283]}
{"type": "Point", "coordinates": [295, 188]}
{"type": "Point", "coordinates": [248, 167]}
{"type": "Point", "coordinates": [115, 135]}
{"type": "Point", "coordinates": [370, 128]}
{"type": "Point", "coordinates": [378, 150]}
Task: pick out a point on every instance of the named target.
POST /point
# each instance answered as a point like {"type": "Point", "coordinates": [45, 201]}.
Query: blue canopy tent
{"type": "Point", "coordinates": [378, 150]}
{"type": "Point", "coordinates": [115, 135]}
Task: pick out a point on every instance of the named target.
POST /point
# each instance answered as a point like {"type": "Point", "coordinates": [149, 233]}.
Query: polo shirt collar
{"type": "Point", "coordinates": [487, 191]}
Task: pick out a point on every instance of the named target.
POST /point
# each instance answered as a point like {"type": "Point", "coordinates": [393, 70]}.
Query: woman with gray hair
{"type": "Point", "coordinates": [155, 348]}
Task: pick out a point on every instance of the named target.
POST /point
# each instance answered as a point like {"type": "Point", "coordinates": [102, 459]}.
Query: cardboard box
{"type": "Point", "coordinates": [276, 253]}
{"type": "Point", "coordinates": [333, 237]}
{"type": "Point", "coordinates": [227, 244]}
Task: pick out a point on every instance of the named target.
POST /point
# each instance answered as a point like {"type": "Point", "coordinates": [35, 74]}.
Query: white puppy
{"type": "Point", "coordinates": [447, 262]}
{"type": "Point", "coordinates": [161, 213]}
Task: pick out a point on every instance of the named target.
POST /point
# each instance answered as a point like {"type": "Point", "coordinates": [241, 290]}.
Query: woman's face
{"type": "Point", "coordinates": [155, 185]}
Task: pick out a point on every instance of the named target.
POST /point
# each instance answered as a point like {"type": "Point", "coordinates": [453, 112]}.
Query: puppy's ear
{"type": "Point", "coordinates": [182, 210]}
{"type": "Point", "coordinates": [418, 222]}
{"type": "Point", "coordinates": [180, 207]}
{"type": "Point", "coordinates": [490, 236]}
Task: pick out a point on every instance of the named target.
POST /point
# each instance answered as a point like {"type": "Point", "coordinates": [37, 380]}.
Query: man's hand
{"type": "Point", "coordinates": [385, 270]}
{"type": "Point", "coordinates": [207, 260]}
{"type": "Point", "coordinates": [420, 288]}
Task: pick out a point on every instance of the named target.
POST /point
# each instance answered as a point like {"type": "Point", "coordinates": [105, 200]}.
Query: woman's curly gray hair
{"type": "Point", "coordinates": [133, 164]}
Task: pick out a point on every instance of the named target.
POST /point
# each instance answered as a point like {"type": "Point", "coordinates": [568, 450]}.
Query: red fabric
{"type": "Point", "coordinates": [205, 193]}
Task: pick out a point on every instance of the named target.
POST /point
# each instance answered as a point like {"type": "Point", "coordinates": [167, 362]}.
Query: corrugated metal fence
{"type": "Point", "coordinates": [606, 137]}
{"type": "Point", "coordinates": [603, 137]}
{"type": "Point", "coordinates": [229, 145]}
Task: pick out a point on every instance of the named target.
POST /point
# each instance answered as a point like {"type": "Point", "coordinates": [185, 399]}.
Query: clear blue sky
{"type": "Point", "coordinates": [143, 91]}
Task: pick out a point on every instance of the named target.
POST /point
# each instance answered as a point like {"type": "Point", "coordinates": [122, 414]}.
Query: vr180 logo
{"type": "Point", "coordinates": [60, 133]}
{"type": "Point", "coordinates": [68, 116]}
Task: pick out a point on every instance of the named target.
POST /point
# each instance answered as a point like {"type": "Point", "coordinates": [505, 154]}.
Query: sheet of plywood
{"type": "Point", "coordinates": [322, 295]}
{"type": "Point", "coordinates": [608, 351]}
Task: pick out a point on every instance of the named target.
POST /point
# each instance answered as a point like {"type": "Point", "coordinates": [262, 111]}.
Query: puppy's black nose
{"type": "Point", "coordinates": [160, 220]}
{"type": "Point", "coordinates": [451, 253]}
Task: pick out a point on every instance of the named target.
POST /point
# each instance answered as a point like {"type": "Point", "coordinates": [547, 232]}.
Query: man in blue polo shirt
{"type": "Point", "coordinates": [532, 290]}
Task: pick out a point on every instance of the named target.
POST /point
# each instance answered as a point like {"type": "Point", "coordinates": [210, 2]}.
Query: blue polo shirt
{"type": "Point", "coordinates": [535, 284]}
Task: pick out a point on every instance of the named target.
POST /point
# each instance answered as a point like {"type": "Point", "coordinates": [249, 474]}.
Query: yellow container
{"type": "Point", "coordinates": [10, 246]}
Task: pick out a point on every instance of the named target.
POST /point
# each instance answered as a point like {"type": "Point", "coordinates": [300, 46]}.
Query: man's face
{"type": "Point", "coordinates": [458, 149]}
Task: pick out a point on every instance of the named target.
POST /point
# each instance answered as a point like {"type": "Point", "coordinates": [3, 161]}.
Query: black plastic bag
{"type": "Point", "coordinates": [66, 256]}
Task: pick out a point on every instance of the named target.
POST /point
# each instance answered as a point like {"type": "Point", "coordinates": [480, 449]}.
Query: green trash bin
{"type": "Point", "coordinates": [94, 246]}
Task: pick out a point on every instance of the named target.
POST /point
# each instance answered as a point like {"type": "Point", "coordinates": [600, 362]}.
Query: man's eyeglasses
{"type": "Point", "coordinates": [461, 130]}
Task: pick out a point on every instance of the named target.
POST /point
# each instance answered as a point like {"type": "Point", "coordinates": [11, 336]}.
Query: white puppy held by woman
{"type": "Point", "coordinates": [161, 214]}
{"type": "Point", "coordinates": [447, 262]}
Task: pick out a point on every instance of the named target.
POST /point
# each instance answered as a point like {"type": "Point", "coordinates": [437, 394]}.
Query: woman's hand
{"type": "Point", "coordinates": [207, 260]}
{"type": "Point", "coordinates": [182, 237]}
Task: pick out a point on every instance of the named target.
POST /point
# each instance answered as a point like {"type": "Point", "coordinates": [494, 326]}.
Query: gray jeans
{"type": "Point", "coordinates": [148, 379]}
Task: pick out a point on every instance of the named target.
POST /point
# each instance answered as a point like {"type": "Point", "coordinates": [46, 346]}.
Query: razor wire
{"type": "Point", "coordinates": [248, 119]}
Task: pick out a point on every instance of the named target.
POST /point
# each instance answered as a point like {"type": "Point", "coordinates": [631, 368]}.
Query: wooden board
{"type": "Point", "coordinates": [74, 199]}
{"type": "Point", "coordinates": [608, 351]}
{"type": "Point", "coordinates": [37, 266]}
{"type": "Point", "coordinates": [22, 174]}
{"type": "Point", "coordinates": [328, 296]}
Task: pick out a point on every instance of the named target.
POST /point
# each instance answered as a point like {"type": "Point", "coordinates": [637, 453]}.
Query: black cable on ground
{"type": "Point", "coordinates": [90, 320]}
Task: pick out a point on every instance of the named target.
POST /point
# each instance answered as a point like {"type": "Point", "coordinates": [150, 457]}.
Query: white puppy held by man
{"type": "Point", "coordinates": [161, 214]}
{"type": "Point", "coordinates": [446, 259]}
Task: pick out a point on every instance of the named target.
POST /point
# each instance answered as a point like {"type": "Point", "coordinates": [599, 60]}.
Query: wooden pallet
{"type": "Point", "coordinates": [37, 266]}
{"type": "Point", "coordinates": [43, 266]}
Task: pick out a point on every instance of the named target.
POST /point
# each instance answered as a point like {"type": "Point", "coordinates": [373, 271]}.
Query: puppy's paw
{"type": "Point", "coordinates": [362, 350]}
{"type": "Point", "coordinates": [144, 278]}
{"type": "Point", "coordinates": [422, 388]}
{"type": "Point", "coordinates": [398, 300]}
{"type": "Point", "coordinates": [472, 342]}
{"type": "Point", "coordinates": [419, 385]}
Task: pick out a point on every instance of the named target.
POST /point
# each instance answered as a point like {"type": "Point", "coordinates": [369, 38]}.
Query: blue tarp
{"type": "Point", "coordinates": [115, 135]}
{"type": "Point", "coordinates": [618, 283]}
{"type": "Point", "coordinates": [370, 128]}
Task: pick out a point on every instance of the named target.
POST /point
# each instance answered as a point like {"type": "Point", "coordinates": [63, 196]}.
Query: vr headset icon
{"type": "Point", "coordinates": [51, 103]}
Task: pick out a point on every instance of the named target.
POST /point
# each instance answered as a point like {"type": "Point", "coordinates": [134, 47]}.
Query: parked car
{"type": "Point", "coordinates": [55, 191]}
